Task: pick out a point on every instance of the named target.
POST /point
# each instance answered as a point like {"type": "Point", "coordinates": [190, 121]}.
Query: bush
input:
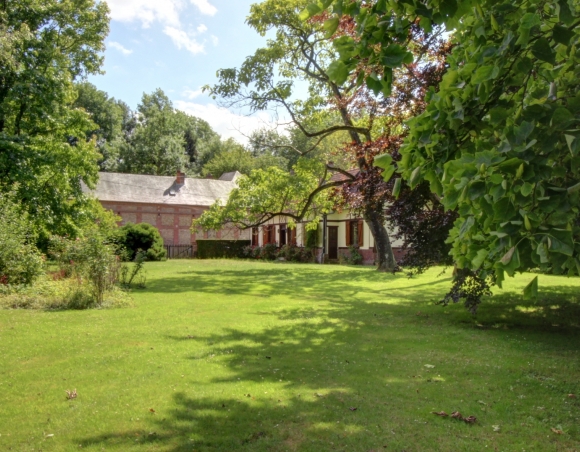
{"type": "Point", "coordinates": [90, 259]}
{"type": "Point", "coordinates": [293, 253]}
{"type": "Point", "coordinates": [352, 257]}
{"type": "Point", "coordinates": [136, 273]}
{"type": "Point", "coordinates": [49, 292]}
{"type": "Point", "coordinates": [215, 249]}
{"type": "Point", "coordinates": [269, 252]}
{"type": "Point", "coordinates": [20, 260]}
{"type": "Point", "coordinates": [312, 237]}
{"type": "Point", "coordinates": [142, 236]}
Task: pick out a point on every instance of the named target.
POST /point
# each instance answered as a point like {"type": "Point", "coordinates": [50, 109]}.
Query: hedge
{"type": "Point", "coordinates": [212, 249]}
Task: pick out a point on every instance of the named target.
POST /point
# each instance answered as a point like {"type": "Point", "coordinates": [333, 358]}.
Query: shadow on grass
{"type": "Point", "coordinates": [329, 363]}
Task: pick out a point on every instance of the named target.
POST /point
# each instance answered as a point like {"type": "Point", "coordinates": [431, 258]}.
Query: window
{"type": "Point", "coordinates": [354, 233]}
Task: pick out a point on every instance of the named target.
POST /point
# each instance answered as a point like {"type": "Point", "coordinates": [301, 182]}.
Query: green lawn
{"type": "Point", "coordinates": [227, 355]}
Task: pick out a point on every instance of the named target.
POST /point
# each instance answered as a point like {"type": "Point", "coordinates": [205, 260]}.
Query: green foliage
{"type": "Point", "coordinates": [20, 260]}
{"type": "Point", "coordinates": [265, 193]}
{"type": "Point", "coordinates": [313, 237]}
{"type": "Point", "coordinates": [352, 256]}
{"type": "Point", "coordinates": [234, 157]}
{"type": "Point", "coordinates": [127, 275]}
{"type": "Point", "coordinates": [214, 249]}
{"type": "Point", "coordinates": [52, 292]}
{"type": "Point", "coordinates": [499, 138]}
{"type": "Point", "coordinates": [293, 253]}
{"type": "Point", "coordinates": [112, 118]}
{"type": "Point", "coordinates": [142, 236]}
{"type": "Point", "coordinates": [164, 140]}
{"type": "Point", "coordinates": [45, 46]}
{"type": "Point", "coordinates": [89, 258]}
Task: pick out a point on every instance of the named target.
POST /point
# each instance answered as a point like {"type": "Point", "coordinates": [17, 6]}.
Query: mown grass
{"type": "Point", "coordinates": [227, 355]}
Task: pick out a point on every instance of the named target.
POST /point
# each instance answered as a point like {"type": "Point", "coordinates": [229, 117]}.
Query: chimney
{"type": "Point", "coordinates": [180, 178]}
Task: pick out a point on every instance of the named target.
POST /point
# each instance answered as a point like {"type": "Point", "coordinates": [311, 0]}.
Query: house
{"type": "Point", "coordinates": [343, 229]}
{"type": "Point", "coordinates": [166, 202]}
{"type": "Point", "coordinates": [171, 203]}
{"type": "Point", "coordinates": [336, 233]}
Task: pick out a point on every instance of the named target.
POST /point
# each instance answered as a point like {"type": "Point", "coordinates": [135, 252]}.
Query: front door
{"type": "Point", "coordinates": [333, 242]}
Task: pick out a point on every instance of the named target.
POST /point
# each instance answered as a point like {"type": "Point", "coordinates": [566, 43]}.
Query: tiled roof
{"type": "Point", "coordinates": [139, 188]}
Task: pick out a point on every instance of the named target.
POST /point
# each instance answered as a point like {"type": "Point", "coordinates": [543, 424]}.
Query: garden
{"type": "Point", "coordinates": [249, 355]}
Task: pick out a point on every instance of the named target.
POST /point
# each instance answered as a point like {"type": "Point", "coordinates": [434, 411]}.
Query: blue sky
{"type": "Point", "coordinates": [178, 45]}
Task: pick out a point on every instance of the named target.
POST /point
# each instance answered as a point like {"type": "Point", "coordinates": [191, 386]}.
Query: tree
{"type": "Point", "coordinates": [267, 193]}
{"type": "Point", "coordinates": [499, 139]}
{"type": "Point", "coordinates": [265, 80]}
{"type": "Point", "coordinates": [163, 140]}
{"type": "Point", "coordinates": [234, 157]}
{"type": "Point", "coordinates": [20, 261]}
{"type": "Point", "coordinates": [111, 118]}
{"type": "Point", "coordinates": [45, 46]}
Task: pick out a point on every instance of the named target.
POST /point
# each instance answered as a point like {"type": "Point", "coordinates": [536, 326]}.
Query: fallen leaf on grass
{"type": "Point", "coordinates": [440, 413]}
{"type": "Point", "coordinates": [571, 396]}
{"type": "Point", "coordinates": [429, 366]}
{"type": "Point", "coordinates": [71, 394]}
{"type": "Point", "coordinates": [496, 428]}
{"type": "Point", "coordinates": [318, 395]}
{"type": "Point", "coordinates": [456, 415]}
{"type": "Point", "coordinates": [152, 410]}
{"type": "Point", "coordinates": [352, 408]}
{"type": "Point", "coordinates": [268, 357]}
{"type": "Point", "coordinates": [557, 431]}
{"type": "Point", "coordinates": [470, 419]}
{"type": "Point", "coordinates": [50, 435]}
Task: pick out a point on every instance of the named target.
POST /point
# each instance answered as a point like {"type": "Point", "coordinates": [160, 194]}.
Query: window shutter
{"type": "Point", "coordinates": [360, 233]}
{"type": "Point", "coordinates": [265, 234]}
{"type": "Point", "coordinates": [348, 233]}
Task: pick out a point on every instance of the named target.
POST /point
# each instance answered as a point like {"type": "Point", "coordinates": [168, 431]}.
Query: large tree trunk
{"type": "Point", "coordinates": [386, 258]}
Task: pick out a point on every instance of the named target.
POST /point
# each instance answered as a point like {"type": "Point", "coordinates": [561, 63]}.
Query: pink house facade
{"type": "Point", "coordinates": [166, 202]}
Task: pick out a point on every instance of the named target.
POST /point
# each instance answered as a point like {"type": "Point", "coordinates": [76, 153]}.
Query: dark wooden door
{"type": "Point", "coordinates": [333, 242]}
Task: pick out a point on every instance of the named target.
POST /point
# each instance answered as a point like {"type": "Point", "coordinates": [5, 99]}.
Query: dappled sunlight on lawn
{"type": "Point", "coordinates": [276, 357]}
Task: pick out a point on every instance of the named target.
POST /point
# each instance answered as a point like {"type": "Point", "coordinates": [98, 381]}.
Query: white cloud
{"type": "Point", "coordinates": [146, 11]}
{"type": "Point", "coordinates": [214, 40]}
{"type": "Point", "coordinates": [167, 13]}
{"type": "Point", "coordinates": [181, 39]}
{"type": "Point", "coordinates": [204, 7]}
{"type": "Point", "coordinates": [120, 48]}
{"type": "Point", "coordinates": [192, 94]}
{"type": "Point", "coordinates": [225, 122]}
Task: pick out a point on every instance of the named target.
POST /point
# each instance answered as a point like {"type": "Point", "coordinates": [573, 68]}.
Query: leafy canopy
{"type": "Point", "coordinates": [499, 141]}
{"type": "Point", "coordinates": [44, 46]}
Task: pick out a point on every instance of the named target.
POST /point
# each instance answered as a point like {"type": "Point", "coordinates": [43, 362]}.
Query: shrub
{"type": "Point", "coordinates": [312, 238]}
{"type": "Point", "coordinates": [293, 253]}
{"type": "Point", "coordinates": [136, 273]}
{"type": "Point", "coordinates": [67, 293]}
{"type": "Point", "coordinates": [90, 259]}
{"type": "Point", "coordinates": [20, 260]}
{"type": "Point", "coordinates": [352, 257]}
{"type": "Point", "coordinates": [269, 252]}
{"type": "Point", "coordinates": [142, 236]}
{"type": "Point", "coordinates": [213, 249]}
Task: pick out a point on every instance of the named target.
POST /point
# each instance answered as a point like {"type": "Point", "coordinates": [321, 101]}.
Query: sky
{"type": "Point", "coordinates": [178, 45]}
